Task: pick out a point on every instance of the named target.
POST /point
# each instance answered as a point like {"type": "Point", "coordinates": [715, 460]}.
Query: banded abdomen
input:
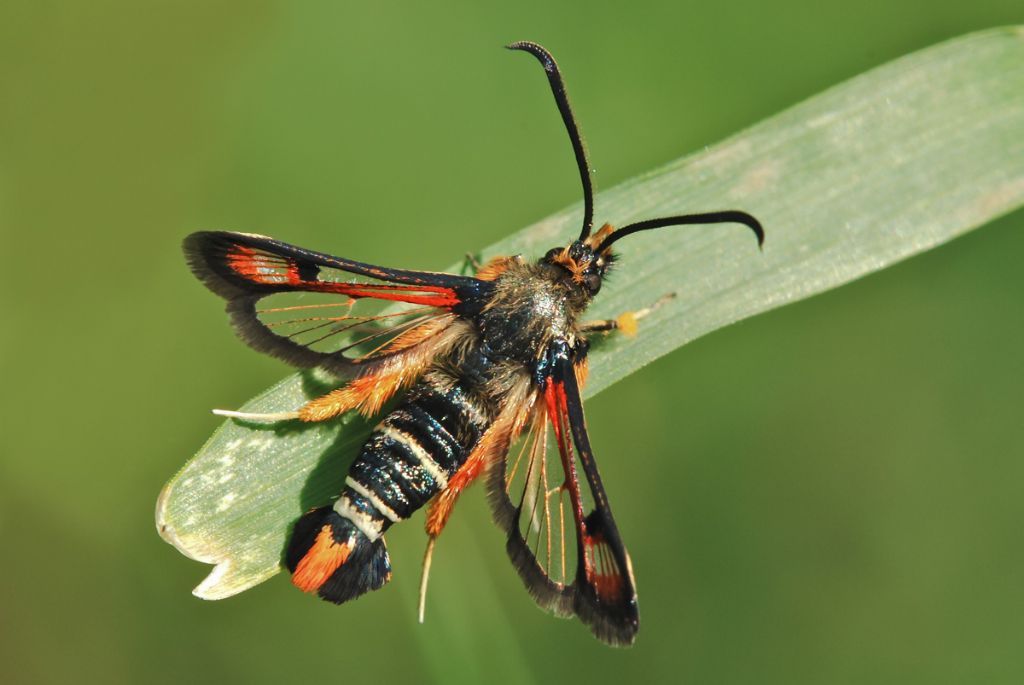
{"type": "Point", "coordinates": [338, 551]}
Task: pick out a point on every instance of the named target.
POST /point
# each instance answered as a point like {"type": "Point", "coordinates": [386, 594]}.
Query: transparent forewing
{"type": "Point", "coordinates": [605, 590]}
{"type": "Point", "coordinates": [550, 499]}
{"type": "Point", "coordinates": [310, 308]}
{"type": "Point", "coordinates": [357, 328]}
{"type": "Point", "coordinates": [542, 527]}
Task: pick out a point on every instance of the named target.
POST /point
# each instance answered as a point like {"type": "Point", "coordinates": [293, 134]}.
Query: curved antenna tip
{"type": "Point", "coordinates": [547, 61]}
{"type": "Point", "coordinates": [543, 55]}
{"type": "Point", "coordinates": [758, 230]}
{"type": "Point", "coordinates": [524, 45]}
{"type": "Point", "coordinates": [728, 216]}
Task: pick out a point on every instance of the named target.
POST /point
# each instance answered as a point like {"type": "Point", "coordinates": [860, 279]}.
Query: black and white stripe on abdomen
{"type": "Point", "coordinates": [410, 456]}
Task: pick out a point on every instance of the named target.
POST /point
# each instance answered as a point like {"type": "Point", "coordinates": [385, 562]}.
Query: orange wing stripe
{"type": "Point", "coordinates": [602, 571]}
{"type": "Point", "coordinates": [268, 269]}
{"type": "Point", "coordinates": [554, 395]}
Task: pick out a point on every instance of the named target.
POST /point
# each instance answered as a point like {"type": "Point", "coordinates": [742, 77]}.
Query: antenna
{"type": "Point", "coordinates": [562, 100]}
{"type": "Point", "coordinates": [730, 216]}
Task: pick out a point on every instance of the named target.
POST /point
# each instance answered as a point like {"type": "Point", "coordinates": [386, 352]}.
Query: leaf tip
{"type": "Point", "coordinates": [163, 524]}
{"type": "Point", "coordinates": [235, 570]}
{"type": "Point", "coordinates": [167, 529]}
{"type": "Point", "coordinates": [217, 584]}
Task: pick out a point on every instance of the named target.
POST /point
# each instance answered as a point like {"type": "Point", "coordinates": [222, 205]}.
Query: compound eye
{"type": "Point", "coordinates": [592, 282]}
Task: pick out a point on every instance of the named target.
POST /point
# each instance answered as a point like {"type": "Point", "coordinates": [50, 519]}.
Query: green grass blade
{"type": "Point", "coordinates": [891, 163]}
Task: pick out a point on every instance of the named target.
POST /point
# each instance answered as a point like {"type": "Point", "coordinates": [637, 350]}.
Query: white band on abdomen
{"type": "Point", "coordinates": [361, 520]}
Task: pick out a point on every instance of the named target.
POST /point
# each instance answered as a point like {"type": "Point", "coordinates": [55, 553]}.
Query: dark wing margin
{"type": "Point", "coordinates": [606, 592]}
{"type": "Point", "coordinates": [245, 268]}
{"type": "Point", "coordinates": [601, 592]}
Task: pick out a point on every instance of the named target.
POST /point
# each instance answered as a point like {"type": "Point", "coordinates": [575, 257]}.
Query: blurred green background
{"type": "Point", "coordinates": [829, 493]}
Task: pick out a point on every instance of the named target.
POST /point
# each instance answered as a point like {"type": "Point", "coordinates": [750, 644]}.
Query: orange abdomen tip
{"type": "Point", "coordinates": [320, 562]}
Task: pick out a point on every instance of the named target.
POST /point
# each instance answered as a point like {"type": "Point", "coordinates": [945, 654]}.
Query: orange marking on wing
{"type": "Point", "coordinates": [601, 569]}
{"type": "Point", "coordinates": [554, 395]}
{"type": "Point", "coordinates": [322, 560]}
{"type": "Point", "coordinates": [552, 404]}
{"type": "Point", "coordinates": [262, 268]}
{"type": "Point", "coordinates": [444, 297]}
{"type": "Point", "coordinates": [608, 586]}
{"type": "Point", "coordinates": [271, 269]}
{"type": "Point", "coordinates": [240, 259]}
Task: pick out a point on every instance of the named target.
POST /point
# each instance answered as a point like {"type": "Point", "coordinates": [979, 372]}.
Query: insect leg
{"type": "Point", "coordinates": [473, 262]}
{"type": "Point", "coordinates": [425, 575]}
{"type": "Point", "coordinates": [625, 322]}
{"type": "Point", "coordinates": [493, 445]}
{"type": "Point", "coordinates": [367, 394]}
{"type": "Point", "coordinates": [439, 510]}
{"type": "Point", "coordinates": [256, 417]}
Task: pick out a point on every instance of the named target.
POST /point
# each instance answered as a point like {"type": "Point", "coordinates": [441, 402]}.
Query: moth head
{"type": "Point", "coordinates": [580, 263]}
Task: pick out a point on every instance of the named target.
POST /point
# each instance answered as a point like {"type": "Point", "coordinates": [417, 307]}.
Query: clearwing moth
{"type": "Point", "coordinates": [488, 369]}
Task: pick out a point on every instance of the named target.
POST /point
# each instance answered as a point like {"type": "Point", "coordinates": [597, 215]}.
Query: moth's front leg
{"type": "Point", "coordinates": [626, 321]}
